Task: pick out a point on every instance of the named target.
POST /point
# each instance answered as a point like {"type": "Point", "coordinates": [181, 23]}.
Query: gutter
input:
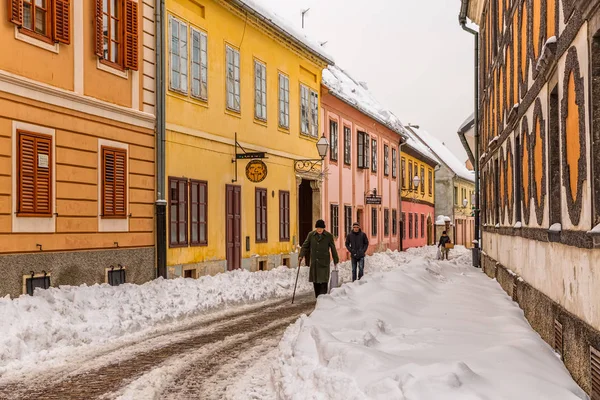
{"type": "Point", "coordinates": [462, 19]}
{"type": "Point", "coordinates": [463, 141]}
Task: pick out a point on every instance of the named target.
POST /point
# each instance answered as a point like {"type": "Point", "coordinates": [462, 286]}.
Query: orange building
{"type": "Point", "coordinates": [77, 117]}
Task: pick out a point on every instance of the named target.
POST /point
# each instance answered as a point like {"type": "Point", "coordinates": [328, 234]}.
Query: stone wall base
{"type": "Point", "coordinates": [542, 312]}
{"type": "Point", "coordinates": [75, 267]}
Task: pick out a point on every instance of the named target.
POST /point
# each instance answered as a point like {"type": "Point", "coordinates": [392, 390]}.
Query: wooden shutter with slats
{"type": "Point", "coordinates": [131, 35]}
{"type": "Point", "coordinates": [35, 174]}
{"type": "Point", "coordinates": [114, 183]}
{"type": "Point", "coordinates": [61, 21]}
{"type": "Point", "coordinates": [99, 47]}
{"type": "Point", "coordinates": [15, 12]}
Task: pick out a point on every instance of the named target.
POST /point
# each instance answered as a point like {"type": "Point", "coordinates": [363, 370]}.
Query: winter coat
{"type": "Point", "coordinates": [357, 244]}
{"type": "Point", "coordinates": [316, 249]}
{"type": "Point", "coordinates": [443, 240]}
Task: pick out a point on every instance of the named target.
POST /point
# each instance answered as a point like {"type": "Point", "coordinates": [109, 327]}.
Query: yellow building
{"type": "Point", "coordinates": [77, 118]}
{"type": "Point", "coordinates": [238, 82]}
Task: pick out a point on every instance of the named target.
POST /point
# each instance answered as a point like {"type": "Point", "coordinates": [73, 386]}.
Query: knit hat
{"type": "Point", "coordinates": [320, 224]}
{"type": "Point", "coordinates": [355, 224]}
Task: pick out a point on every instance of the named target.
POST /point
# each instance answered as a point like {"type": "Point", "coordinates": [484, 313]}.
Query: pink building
{"type": "Point", "coordinates": [361, 173]}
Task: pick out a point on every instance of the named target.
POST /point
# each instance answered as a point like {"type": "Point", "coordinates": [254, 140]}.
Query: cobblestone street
{"type": "Point", "coordinates": [209, 347]}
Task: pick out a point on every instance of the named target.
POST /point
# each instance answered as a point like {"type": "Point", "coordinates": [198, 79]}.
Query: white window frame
{"type": "Point", "coordinates": [304, 110]}
{"type": "Point", "coordinates": [232, 78]}
{"type": "Point", "coordinates": [284, 101]}
{"type": "Point", "coordinates": [199, 64]}
{"type": "Point", "coordinates": [260, 90]}
{"type": "Point", "coordinates": [314, 113]}
{"type": "Point", "coordinates": [181, 56]}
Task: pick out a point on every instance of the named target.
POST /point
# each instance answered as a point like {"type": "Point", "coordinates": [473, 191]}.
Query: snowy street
{"type": "Point", "coordinates": [413, 329]}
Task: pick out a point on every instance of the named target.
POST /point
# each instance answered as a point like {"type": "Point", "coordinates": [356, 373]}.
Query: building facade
{"type": "Point", "coordinates": [362, 177]}
{"type": "Point", "coordinates": [540, 167]}
{"type": "Point", "coordinates": [418, 170]}
{"type": "Point", "coordinates": [76, 143]}
{"type": "Point", "coordinates": [238, 83]}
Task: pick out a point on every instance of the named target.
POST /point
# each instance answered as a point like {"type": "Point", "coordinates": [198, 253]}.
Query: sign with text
{"type": "Point", "coordinates": [249, 156]}
{"type": "Point", "coordinates": [373, 200]}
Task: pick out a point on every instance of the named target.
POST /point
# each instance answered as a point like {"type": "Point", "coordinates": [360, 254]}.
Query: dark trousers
{"type": "Point", "coordinates": [360, 263]}
{"type": "Point", "coordinates": [320, 288]}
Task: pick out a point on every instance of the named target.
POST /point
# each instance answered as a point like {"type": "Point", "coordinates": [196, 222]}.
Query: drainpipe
{"type": "Point", "coordinates": [161, 203]}
{"type": "Point", "coordinates": [402, 143]}
{"type": "Point", "coordinates": [463, 23]}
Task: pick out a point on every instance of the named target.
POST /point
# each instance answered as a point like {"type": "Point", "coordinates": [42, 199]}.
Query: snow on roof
{"type": "Point", "coordinates": [355, 93]}
{"type": "Point", "coordinates": [286, 27]}
{"type": "Point", "coordinates": [444, 154]}
{"type": "Point", "coordinates": [467, 124]}
{"type": "Point", "coordinates": [418, 146]}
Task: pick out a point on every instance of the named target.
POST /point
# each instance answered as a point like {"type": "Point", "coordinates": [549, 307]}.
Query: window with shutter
{"type": "Point", "coordinates": [15, 12]}
{"type": "Point", "coordinates": [114, 183]}
{"type": "Point", "coordinates": [284, 216]}
{"type": "Point", "coordinates": [37, 18]}
{"type": "Point", "coordinates": [261, 215]}
{"type": "Point", "coordinates": [198, 213]}
{"type": "Point", "coordinates": [34, 175]}
{"type": "Point", "coordinates": [117, 33]}
{"type": "Point", "coordinates": [178, 212]}
{"type": "Point", "coordinates": [61, 21]}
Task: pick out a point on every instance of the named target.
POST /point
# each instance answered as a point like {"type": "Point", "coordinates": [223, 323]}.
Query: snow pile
{"type": "Point", "coordinates": [445, 155]}
{"type": "Point", "coordinates": [430, 331]}
{"type": "Point", "coordinates": [355, 93]}
{"type": "Point", "coordinates": [58, 320]}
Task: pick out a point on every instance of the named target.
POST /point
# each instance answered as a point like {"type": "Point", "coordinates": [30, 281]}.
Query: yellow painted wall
{"type": "Point", "coordinates": [406, 179]}
{"type": "Point", "coordinates": [191, 122]}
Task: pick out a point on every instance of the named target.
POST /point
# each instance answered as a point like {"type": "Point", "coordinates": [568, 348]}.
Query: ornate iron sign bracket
{"type": "Point", "coordinates": [308, 166]}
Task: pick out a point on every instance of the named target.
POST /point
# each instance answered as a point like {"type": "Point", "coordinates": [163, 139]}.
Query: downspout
{"type": "Point", "coordinates": [161, 203]}
{"type": "Point", "coordinates": [402, 143]}
{"type": "Point", "coordinates": [463, 23]}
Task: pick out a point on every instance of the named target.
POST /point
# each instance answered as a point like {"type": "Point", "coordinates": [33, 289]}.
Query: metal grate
{"type": "Point", "coordinates": [595, 372]}
{"type": "Point", "coordinates": [558, 338]}
{"type": "Point", "coordinates": [42, 282]}
{"type": "Point", "coordinates": [116, 277]}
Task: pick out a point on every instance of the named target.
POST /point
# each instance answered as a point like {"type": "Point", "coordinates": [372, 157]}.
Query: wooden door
{"type": "Point", "coordinates": [305, 210]}
{"type": "Point", "coordinates": [233, 227]}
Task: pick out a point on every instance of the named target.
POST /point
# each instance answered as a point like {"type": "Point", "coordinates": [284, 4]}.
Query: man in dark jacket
{"type": "Point", "coordinates": [442, 245]}
{"type": "Point", "coordinates": [316, 249]}
{"type": "Point", "coordinates": [357, 244]}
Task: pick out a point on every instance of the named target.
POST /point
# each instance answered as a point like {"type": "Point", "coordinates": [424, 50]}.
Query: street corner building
{"type": "Point", "coordinates": [242, 167]}
{"type": "Point", "coordinates": [77, 143]}
{"type": "Point", "coordinates": [539, 115]}
{"type": "Point", "coordinates": [418, 165]}
{"type": "Point", "coordinates": [361, 182]}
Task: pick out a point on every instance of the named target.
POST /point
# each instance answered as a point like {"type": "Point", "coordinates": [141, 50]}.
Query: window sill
{"type": "Point", "coordinates": [261, 122]}
{"type": "Point", "coordinates": [199, 99]}
{"type": "Point", "coordinates": [113, 217]}
{"type": "Point", "coordinates": [42, 44]}
{"type": "Point", "coordinates": [104, 66]}
{"type": "Point", "coordinates": [284, 240]}
{"type": "Point", "coordinates": [199, 244]}
{"type": "Point", "coordinates": [25, 215]}
{"type": "Point", "coordinates": [177, 246]}
{"type": "Point", "coordinates": [233, 113]}
{"type": "Point", "coordinates": [261, 241]}
{"type": "Point", "coordinates": [284, 129]}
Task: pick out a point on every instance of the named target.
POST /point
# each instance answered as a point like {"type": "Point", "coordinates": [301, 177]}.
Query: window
{"type": "Point", "coordinates": [114, 183]}
{"type": "Point", "coordinates": [403, 225]}
{"type": "Point", "coordinates": [422, 179]}
{"type": "Point", "coordinates": [455, 195]}
{"type": "Point", "coordinates": [34, 175]}
{"type": "Point", "coordinates": [309, 111]}
{"type": "Point", "coordinates": [178, 212]}
{"type": "Point", "coordinates": [47, 20]}
{"type": "Point", "coordinates": [394, 163]}
{"type": "Point", "coordinates": [422, 225]}
{"type": "Point", "coordinates": [179, 55]}
{"type": "Point", "coordinates": [333, 140]}
{"type": "Point", "coordinates": [410, 225]}
{"type": "Point", "coordinates": [116, 277]}
{"type": "Point", "coordinates": [284, 216]}
{"type": "Point", "coordinates": [374, 221]}
{"type": "Point", "coordinates": [430, 177]}
{"type": "Point", "coordinates": [347, 145]}
{"type": "Point", "coordinates": [261, 215]}
{"type": "Point", "coordinates": [403, 172]}
{"type": "Point", "coordinates": [386, 161]}
{"type": "Point", "coordinates": [198, 212]}
{"type": "Point", "coordinates": [416, 226]}
{"type": "Point", "coordinates": [410, 175]}
{"type": "Point", "coordinates": [260, 91]}
{"type": "Point", "coordinates": [117, 33]}
{"type": "Point", "coordinates": [232, 59]}
{"type": "Point", "coordinates": [374, 155]}
{"type": "Point", "coordinates": [394, 222]}
{"type": "Point", "coordinates": [335, 219]}
{"type": "Point", "coordinates": [33, 282]}
{"type": "Point", "coordinates": [284, 101]}
{"type": "Point", "coordinates": [363, 150]}
{"type": "Point", "coordinates": [199, 64]}
{"type": "Point", "coordinates": [386, 222]}
{"type": "Point", "coordinates": [348, 219]}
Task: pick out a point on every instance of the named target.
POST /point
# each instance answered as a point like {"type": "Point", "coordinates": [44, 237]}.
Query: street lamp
{"type": "Point", "coordinates": [322, 147]}
{"type": "Point", "coordinates": [313, 165]}
{"type": "Point", "coordinates": [416, 182]}
{"type": "Point", "coordinates": [465, 202]}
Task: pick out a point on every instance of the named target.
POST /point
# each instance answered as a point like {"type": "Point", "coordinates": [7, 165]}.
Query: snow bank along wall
{"type": "Point", "coordinates": [540, 169]}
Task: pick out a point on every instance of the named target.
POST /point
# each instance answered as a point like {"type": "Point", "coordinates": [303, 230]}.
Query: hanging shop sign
{"type": "Point", "coordinates": [256, 171]}
{"type": "Point", "coordinates": [373, 200]}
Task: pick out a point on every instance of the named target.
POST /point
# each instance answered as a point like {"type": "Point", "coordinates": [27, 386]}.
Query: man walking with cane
{"type": "Point", "coordinates": [316, 249]}
{"type": "Point", "coordinates": [357, 244]}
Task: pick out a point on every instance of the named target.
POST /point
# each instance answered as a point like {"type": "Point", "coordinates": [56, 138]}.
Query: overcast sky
{"type": "Point", "coordinates": [413, 55]}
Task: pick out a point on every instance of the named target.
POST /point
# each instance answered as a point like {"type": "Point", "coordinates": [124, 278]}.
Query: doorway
{"type": "Point", "coordinates": [233, 226]}
{"type": "Point", "coordinates": [305, 210]}
{"type": "Point", "coordinates": [429, 231]}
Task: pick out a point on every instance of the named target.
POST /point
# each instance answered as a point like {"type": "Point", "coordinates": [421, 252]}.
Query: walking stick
{"type": "Point", "coordinates": [295, 284]}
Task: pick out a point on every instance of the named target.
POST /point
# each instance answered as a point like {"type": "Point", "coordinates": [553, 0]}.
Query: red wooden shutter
{"type": "Point", "coordinates": [43, 181]}
{"type": "Point", "coordinates": [114, 183]}
{"type": "Point", "coordinates": [27, 174]}
{"type": "Point", "coordinates": [120, 183]}
{"type": "Point", "coordinates": [62, 21]}
{"type": "Point", "coordinates": [35, 174]}
{"type": "Point", "coordinates": [15, 12]}
{"type": "Point", "coordinates": [131, 35]}
{"type": "Point", "coordinates": [99, 48]}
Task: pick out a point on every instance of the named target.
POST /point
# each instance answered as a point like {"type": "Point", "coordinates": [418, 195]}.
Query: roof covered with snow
{"type": "Point", "coordinates": [285, 27]}
{"type": "Point", "coordinates": [467, 124]}
{"type": "Point", "coordinates": [444, 154]}
{"type": "Point", "coordinates": [414, 143]}
{"type": "Point", "coordinates": [355, 93]}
